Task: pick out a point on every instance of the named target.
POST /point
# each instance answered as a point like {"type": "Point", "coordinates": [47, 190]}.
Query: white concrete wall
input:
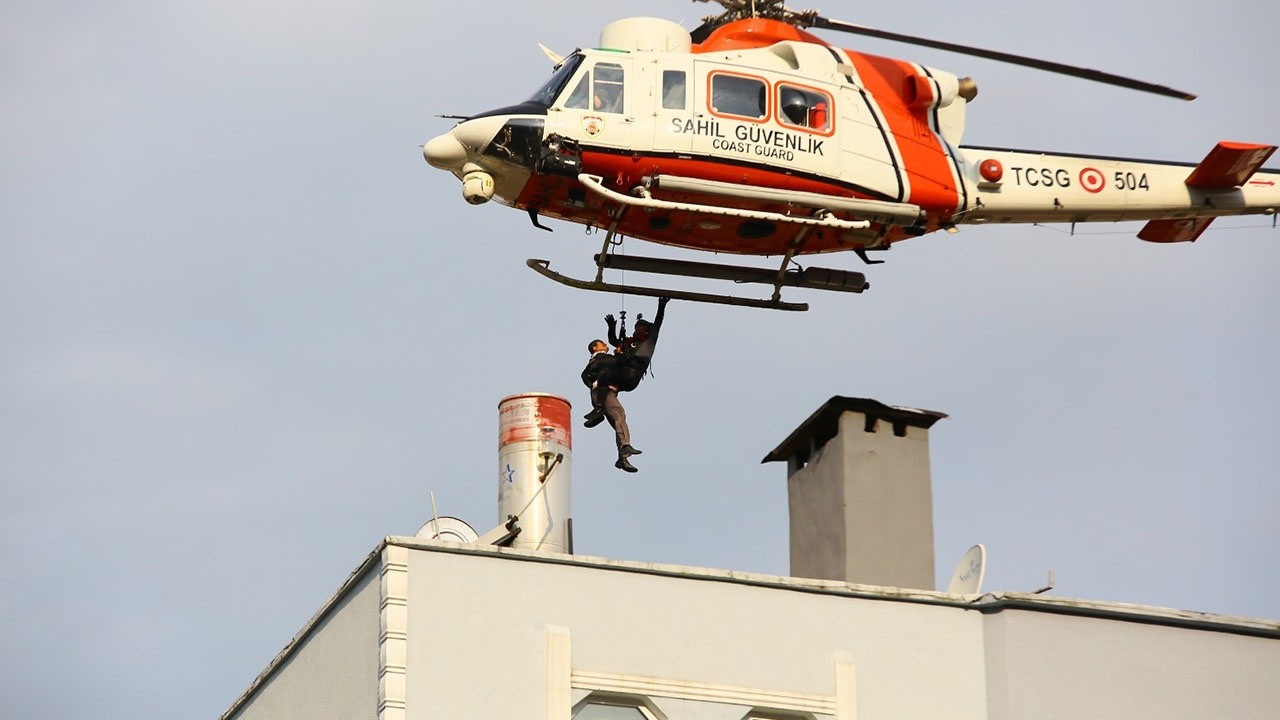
{"type": "Point", "coordinates": [333, 673]}
{"type": "Point", "coordinates": [478, 639]}
{"type": "Point", "coordinates": [1057, 667]}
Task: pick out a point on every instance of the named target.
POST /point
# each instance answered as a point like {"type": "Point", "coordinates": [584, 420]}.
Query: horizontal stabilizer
{"type": "Point", "coordinates": [1171, 231]}
{"type": "Point", "coordinates": [1229, 164]}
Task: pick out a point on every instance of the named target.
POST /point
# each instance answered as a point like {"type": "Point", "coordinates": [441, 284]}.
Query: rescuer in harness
{"type": "Point", "coordinates": [634, 354]}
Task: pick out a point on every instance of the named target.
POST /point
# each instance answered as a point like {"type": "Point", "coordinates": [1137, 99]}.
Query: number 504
{"type": "Point", "coordinates": [1131, 181]}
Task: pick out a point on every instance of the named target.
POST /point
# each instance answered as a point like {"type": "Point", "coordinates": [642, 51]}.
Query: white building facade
{"type": "Point", "coordinates": [429, 630]}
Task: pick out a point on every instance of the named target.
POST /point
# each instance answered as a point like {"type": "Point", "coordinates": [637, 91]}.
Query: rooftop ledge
{"type": "Point", "coordinates": [984, 602]}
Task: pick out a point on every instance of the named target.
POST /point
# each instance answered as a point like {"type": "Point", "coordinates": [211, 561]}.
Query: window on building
{"type": "Point", "coordinates": [673, 90]}
{"type": "Point", "coordinates": [737, 95]}
{"type": "Point", "coordinates": [804, 108]}
{"type": "Point", "coordinates": [601, 705]}
{"type": "Point", "coordinates": [601, 711]}
{"type": "Point", "coordinates": [767, 714]}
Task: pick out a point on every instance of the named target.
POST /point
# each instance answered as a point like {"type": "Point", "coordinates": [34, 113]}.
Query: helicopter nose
{"type": "Point", "coordinates": [449, 151]}
{"type": "Point", "coordinates": [476, 134]}
{"type": "Point", "coordinates": [445, 152]}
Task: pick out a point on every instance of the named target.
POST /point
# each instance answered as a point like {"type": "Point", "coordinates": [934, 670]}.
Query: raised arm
{"type": "Point", "coordinates": [614, 340]}
{"type": "Point", "coordinates": [662, 311]}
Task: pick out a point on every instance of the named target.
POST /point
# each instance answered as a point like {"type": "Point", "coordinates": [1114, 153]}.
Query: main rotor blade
{"type": "Point", "coordinates": [1047, 65]}
{"type": "Point", "coordinates": [701, 32]}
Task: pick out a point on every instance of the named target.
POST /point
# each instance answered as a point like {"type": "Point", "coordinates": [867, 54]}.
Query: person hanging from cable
{"type": "Point", "coordinates": [601, 375]}
{"type": "Point", "coordinates": [634, 352]}
{"type": "Point", "coordinates": [639, 347]}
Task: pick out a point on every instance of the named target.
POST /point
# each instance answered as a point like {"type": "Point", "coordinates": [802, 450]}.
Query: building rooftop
{"type": "Point", "coordinates": [986, 603]}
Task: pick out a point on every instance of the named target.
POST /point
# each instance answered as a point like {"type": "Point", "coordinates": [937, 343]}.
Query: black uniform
{"type": "Point", "coordinates": [636, 356]}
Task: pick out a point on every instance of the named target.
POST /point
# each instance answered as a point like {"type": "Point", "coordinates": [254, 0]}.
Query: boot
{"type": "Point", "coordinates": [628, 451]}
{"type": "Point", "coordinates": [594, 418]}
{"type": "Point", "coordinates": [624, 464]}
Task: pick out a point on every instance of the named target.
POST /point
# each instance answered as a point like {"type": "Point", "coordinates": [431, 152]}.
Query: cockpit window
{"type": "Point", "coordinates": [600, 89]}
{"type": "Point", "coordinates": [578, 98]}
{"type": "Point", "coordinates": [546, 94]}
{"type": "Point", "coordinates": [608, 89]}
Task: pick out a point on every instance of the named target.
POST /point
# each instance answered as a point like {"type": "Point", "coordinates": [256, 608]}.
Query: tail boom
{"type": "Point", "coordinates": [1178, 198]}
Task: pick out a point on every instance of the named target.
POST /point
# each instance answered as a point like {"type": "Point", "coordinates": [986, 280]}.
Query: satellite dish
{"type": "Point", "coordinates": [447, 528]}
{"type": "Point", "coordinates": [967, 579]}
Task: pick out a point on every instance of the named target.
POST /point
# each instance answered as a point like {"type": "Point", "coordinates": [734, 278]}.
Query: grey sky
{"type": "Point", "coordinates": [246, 331]}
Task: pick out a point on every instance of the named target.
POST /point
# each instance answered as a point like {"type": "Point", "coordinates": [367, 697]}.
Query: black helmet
{"type": "Point", "coordinates": [795, 106]}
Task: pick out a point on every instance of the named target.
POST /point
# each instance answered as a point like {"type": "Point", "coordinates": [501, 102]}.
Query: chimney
{"type": "Point", "coordinates": [859, 495]}
{"type": "Point", "coordinates": [535, 449]}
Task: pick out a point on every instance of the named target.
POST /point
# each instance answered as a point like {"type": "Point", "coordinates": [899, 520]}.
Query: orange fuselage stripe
{"type": "Point", "coordinates": [924, 159]}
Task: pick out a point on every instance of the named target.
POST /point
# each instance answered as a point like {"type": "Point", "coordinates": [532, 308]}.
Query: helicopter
{"type": "Point", "coordinates": [752, 136]}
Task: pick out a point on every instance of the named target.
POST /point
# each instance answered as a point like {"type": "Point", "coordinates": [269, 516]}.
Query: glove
{"type": "Point", "coordinates": [610, 320]}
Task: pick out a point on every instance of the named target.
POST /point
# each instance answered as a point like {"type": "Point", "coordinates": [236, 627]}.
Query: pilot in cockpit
{"type": "Point", "coordinates": [608, 98]}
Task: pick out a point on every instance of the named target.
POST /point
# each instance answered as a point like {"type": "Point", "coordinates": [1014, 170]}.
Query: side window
{"type": "Point", "coordinates": [804, 108]}
{"type": "Point", "coordinates": [673, 92]}
{"type": "Point", "coordinates": [737, 95]}
{"type": "Point", "coordinates": [608, 96]}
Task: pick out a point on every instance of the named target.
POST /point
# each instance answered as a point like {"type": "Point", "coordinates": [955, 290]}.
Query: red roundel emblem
{"type": "Point", "coordinates": [1092, 179]}
{"type": "Point", "coordinates": [991, 170]}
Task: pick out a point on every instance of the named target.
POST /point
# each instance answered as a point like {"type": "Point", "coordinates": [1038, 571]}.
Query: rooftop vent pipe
{"type": "Point", "coordinates": [535, 449]}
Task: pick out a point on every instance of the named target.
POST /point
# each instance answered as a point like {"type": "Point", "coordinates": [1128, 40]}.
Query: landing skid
{"type": "Point", "coordinates": [544, 269]}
